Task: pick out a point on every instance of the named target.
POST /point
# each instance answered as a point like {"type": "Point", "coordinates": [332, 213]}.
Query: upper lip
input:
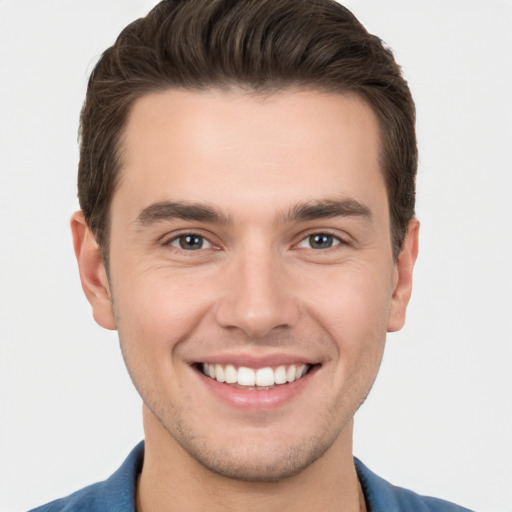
{"type": "Point", "coordinates": [256, 360]}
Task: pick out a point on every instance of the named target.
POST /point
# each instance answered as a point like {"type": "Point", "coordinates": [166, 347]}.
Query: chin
{"type": "Point", "coordinates": [253, 455]}
{"type": "Point", "coordinates": [259, 463]}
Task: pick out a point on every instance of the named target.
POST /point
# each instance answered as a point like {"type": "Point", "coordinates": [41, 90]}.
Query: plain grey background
{"type": "Point", "coordinates": [439, 419]}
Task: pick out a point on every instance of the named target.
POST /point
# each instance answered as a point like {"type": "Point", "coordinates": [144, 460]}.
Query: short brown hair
{"type": "Point", "coordinates": [260, 45]}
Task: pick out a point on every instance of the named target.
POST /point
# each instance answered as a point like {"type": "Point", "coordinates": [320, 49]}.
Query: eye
{"type": "Point", "coordinates": [190, 242]}
{"type": "Point", "coordinates": [319, 241]}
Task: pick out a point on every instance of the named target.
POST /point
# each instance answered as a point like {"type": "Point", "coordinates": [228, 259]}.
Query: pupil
{"type": "Point", "coordinates": [189, 242]}
{"type": "Point", "coordinates": [320, 241]}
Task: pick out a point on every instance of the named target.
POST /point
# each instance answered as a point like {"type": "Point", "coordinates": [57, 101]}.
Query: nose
{"type": "Point", "coordinates": [258, 296]}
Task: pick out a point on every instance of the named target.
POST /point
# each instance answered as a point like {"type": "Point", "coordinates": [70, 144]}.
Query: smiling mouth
{"type": "Point", "coordinates": [254, 378]}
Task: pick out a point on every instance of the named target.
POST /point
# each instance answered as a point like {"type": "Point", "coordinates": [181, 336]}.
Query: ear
{"type": "Point", "coordinates": [403, 277]}
{"type": "Point", "coordinates": [93, 275]}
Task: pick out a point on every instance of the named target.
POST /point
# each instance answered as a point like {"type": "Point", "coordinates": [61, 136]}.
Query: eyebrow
{"type": "Point", "coordinates": [301, 212]}
{"type": "Point", "coordinates": [327, 208]}
{"type": "Point", "coordinates": [169, 210]}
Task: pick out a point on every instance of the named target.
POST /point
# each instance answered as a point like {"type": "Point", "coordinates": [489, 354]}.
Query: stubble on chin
{"type": "Point", "coordinates": [244, 458]}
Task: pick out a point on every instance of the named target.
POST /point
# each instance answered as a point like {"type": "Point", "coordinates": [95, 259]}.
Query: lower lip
{"type": "Point", "coordinates": [252, 399]}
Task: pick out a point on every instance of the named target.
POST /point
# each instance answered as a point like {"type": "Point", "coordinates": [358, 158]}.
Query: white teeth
{"type": "Point", "coordinates": [280, 375]}
{"type": "Point", "coordinates": [262, 377]}
{"type": "Point", "coordinates": [231, 374]}
{"type": "Point", "coordinates": [265, 377]}
{"type": "Point", "coordinates": [219, 373]}
{"type": "Point", "coordinates": [246, 376]}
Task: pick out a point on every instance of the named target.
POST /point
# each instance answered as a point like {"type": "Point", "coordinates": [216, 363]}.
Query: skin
{"type": "Point", "coordinates": [256, 289]}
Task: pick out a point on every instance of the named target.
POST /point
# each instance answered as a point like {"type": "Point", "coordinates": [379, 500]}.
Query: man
{"type": "Point", "coordinates": [246, 181]}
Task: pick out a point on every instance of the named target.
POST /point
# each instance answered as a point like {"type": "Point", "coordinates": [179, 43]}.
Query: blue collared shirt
{"type": "Point", "coordinates": [117, 493]}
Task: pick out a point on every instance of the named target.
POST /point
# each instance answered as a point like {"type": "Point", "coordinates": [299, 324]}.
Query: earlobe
{"type": "Point", "coordinates": [404, 269]}
{"type": "Point", "coordinates": [93, 275]}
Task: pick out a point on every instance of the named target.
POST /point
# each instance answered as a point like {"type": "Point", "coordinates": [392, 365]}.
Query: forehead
{"type": "Point", "coordinates": [233, 147]}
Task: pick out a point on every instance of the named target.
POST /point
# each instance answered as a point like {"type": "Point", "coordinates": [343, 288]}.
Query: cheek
{"type": "Point", "coordinates": [353, 309]}
{"type": "Point", "coordinates": [353, 300]}
{"type": "Point", "coordinates": [159, 298]}
{"type": "Point", "coordinates": [155, 312]}
{"type": "Point", "coordinates": [154, 316]}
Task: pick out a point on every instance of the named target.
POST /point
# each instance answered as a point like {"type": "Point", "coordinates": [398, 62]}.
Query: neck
{"type": "Point", "coordinates": [172, 480]}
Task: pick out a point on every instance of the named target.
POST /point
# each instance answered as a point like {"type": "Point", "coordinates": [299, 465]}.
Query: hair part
{"type": "Point", "coordinates": [261, 46]}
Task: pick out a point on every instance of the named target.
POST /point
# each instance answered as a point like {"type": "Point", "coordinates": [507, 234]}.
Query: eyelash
{"type": "Point", "coordinates": [177, 239]}
{"type": "Point", "coordinates": [336, 241]}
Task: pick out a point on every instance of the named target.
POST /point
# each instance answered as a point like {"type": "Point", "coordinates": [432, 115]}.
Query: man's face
{"type": "Point", "coordinates": [250, 239]}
